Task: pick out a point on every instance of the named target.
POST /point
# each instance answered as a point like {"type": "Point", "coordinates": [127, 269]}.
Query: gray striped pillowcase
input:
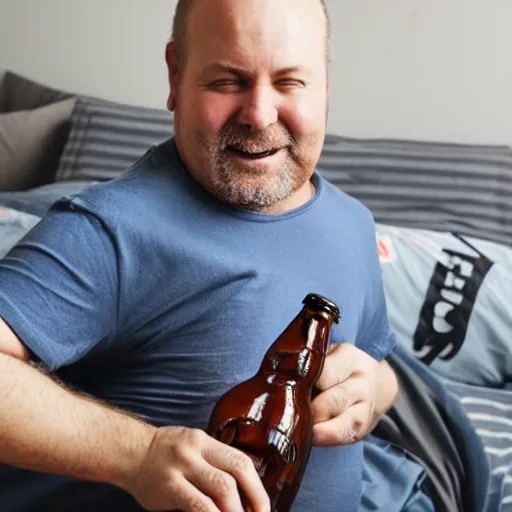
{"type": "Point", "coordinates": [447, 187]}
{"type": "Point", "coordinates": [107, 138]}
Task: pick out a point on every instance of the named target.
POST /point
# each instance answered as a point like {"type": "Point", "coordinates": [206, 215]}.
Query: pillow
{"type": "Point", "coordinates": [449, 300]}
{"type": "Point", "coordinates": [441, 187]}
{"type": "Point", "coordinates": [3, 93]}
{"type": "Point", "coordinates": [38, 200]}
{"type": "Point", "coordinates": [107, 138]}
{"type": "Point", "coordinates": [31, 142]}
{"type": "Point", "coordinates": [23, 94]}
{"type": "Point", "coordinates": [14, 226]}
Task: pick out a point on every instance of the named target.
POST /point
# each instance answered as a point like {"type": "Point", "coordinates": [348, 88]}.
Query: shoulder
{"type": "Point", "coordinates": [344, 208]}
{"type": "Point", "coordinates": [132, 195]}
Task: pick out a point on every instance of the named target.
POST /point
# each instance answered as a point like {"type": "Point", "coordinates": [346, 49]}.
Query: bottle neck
{"type": "Point", "coordinates": [316, 327]}
{"type": "Point", "coordinates": [298, 353]}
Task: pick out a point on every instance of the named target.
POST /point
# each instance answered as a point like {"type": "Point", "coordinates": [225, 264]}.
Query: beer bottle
{"type": "Point", "coordinates": [269, 416]}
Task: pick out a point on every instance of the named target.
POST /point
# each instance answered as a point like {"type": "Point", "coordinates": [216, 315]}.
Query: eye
{"type": "Point", "coordinates": [226, 85]}
{"type": "Point", "coordinates": [290, 83]}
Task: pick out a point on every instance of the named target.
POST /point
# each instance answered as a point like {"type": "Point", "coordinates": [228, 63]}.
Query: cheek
{"type": "Point", "coordinates": [214, 111]}
{"type": "Point", "coordinates": [305, 116]}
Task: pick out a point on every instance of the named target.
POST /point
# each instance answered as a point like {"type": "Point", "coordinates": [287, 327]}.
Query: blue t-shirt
{"type": "Point", "coordinates": [152, 294]}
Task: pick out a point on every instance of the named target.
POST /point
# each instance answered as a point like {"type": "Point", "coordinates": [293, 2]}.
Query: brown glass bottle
{"type": "Point", "coordinates": [269, 416]}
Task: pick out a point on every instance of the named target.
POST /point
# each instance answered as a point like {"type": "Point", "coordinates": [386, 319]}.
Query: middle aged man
{"type": "Point", "coordinates": [156, 292]}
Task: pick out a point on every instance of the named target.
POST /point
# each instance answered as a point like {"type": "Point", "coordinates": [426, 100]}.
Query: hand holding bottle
{"type": "Point", "coordinates": [188, 470]}
{"type": "Point", "coordinates": [269, 415]}
{"type": "Point", "coordinates": [344, 410]}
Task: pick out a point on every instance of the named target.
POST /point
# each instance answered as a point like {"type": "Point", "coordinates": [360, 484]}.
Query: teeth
{"type": "Point", "coordinates": [254, 154]}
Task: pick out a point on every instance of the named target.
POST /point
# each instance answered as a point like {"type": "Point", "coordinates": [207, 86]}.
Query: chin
{"type": "Point", "coordinates": [251, 196]}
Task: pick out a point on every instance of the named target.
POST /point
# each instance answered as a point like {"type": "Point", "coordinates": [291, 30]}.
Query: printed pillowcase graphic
{"type": "Point", "coordinates": [449, 300]}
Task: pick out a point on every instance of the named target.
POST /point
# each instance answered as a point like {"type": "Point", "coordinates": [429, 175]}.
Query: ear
{"type": "Point", "coordinates": [174, 76]}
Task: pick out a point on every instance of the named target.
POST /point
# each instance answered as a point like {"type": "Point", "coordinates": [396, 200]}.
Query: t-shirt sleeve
{"type": "Point", "coordinates": [58, 287]}
{"type": "Point", "coordinates": [375, 335]}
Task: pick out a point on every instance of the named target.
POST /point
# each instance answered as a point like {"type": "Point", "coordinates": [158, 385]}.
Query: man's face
{"type": "Point", "coordinates": [250, 99]}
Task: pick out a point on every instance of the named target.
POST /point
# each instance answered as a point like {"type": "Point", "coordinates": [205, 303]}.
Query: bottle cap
{"type": "Point", "coordinates": [315, 301]}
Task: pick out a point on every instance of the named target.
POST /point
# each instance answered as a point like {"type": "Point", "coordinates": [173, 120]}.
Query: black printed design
{"type": "Point", "coordinates": [450, 299]}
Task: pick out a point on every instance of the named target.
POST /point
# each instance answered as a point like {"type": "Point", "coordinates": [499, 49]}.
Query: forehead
{"type": "Point", "coordinates": [269, 33]}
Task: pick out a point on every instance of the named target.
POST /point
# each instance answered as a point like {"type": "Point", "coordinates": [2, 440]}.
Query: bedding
{"type": "Point", "coordinates": [457, 188]}
{"type": "Point", "coordinates": [444, 235]}
{"type": "Point", "coordinates": [429, 423]}
{"type": "Point", "coordinates": [31, 142]}
{"type": "Point", "coordinates": [107, 138]}
{"type": "Point", "coordinates": [490, 412]}
{"type": "Point", "coordinates": [449, 298]}
{"type": "Point", "coordinates": [13, 227]}
{"type": "Point", "coordinates": [3, 94]}
{"type": "Point", "coordinates": [104, 138]}
{"type": "Point", "coordinates": [36, 201]}
{"type": "Point", "coordinates": [20, 93]}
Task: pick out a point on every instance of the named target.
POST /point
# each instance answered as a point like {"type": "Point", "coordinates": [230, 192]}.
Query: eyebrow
{"type": "Point", "coordinates": [231, 68]}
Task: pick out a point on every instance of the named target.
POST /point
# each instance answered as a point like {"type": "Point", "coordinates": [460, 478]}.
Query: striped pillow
{"type": "Point", "coordinates": [490, 412]}
{"type": "Point", "coordinates": [448, 187]}
{"type": "Point", "coordinates": [107, 138]}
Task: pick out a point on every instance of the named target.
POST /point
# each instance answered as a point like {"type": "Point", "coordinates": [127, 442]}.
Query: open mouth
{"type": "Point", "coordinates": [252, 156]}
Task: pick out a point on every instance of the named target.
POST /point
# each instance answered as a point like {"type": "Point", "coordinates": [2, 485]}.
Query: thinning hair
{"type": "Point", "coordinates": [180, 27]}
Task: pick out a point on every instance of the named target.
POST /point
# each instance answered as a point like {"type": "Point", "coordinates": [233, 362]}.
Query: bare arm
{"type": "Point", "coordinates": [48, 428]}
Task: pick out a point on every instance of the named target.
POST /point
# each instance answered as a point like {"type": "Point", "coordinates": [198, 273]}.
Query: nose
{"type": "Point", "coordinates": [259, 109]}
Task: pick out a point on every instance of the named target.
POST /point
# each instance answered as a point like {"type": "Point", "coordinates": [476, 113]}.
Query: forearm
{"type": "Point", "coordinates": [47, 428]}
{"type": "Point", "coordinates": [387, 390]}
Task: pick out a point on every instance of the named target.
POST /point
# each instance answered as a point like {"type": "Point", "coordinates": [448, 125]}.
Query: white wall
{"type": "Point", "coordinates": [109, 48]}
{"type": "Point", "coordinates": [427, 69]}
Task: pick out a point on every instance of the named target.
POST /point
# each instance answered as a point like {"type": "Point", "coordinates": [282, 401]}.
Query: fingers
{"type": "Point", "coordinates": [190, 498]}
{"type": "Point", "coordinates": [342, 414]}
{"type": "Point", "coordinates": [338, 366]}
{"type": "Point", "coordinates": [221, 486]}
{"type": "Point", "coordinates": [347, 428]}
{"type": "Point", "coordinates": [186, 469]}
{"type": "Point", "coordinates": [241, 468]}
{"type": "Point", "coordinates": [336, 400]}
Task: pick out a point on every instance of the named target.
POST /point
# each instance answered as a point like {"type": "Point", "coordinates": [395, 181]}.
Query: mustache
{"type": "Point", "coordinates": [243, 138]}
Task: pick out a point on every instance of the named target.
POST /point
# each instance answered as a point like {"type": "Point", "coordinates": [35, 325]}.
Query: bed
{"type": "Point", "coordinates": [443, 223]}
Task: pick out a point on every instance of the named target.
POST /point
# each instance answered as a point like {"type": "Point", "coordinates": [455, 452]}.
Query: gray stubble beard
{"type": "Point", "coordinates": [240, 187]}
